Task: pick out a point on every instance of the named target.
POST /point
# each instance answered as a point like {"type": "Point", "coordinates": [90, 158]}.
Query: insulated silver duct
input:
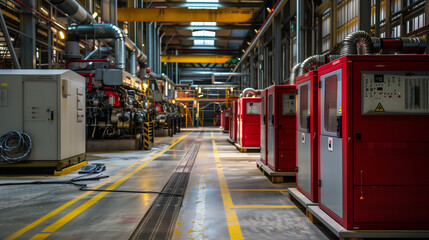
{"type": "Point", "coordinates": [74, 10]}
{"type": "Point", "coordinates": [358, 42]}
{"type": "Point", "coordinates": [246, 91]}
{"type": "Point", "coordinates": [227, 74]}
{"type": "Point", "coordinates": [140, 56]}
{"type": "Point", "coordinates": [132, 63]}
{"type": "Point", "coordinates": [102, 30]}
{"type": "Point", "coordinates": [310, 63]}
{"type": "Point", "coordinates": [294, 73]}
{"type": "Point", "coordinates": [102, 50]}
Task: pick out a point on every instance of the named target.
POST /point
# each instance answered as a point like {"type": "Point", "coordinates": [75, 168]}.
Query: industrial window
{"type": "Point", "coordinates": [303, 106]}
{"type": "Point", "coordinates": [330, 115]}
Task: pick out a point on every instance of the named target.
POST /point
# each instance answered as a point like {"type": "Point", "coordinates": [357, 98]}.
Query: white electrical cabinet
{"type": "Point", "coordinates": [49, 105]}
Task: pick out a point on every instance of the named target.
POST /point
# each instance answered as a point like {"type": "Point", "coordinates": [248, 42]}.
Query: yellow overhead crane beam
{"type": "Point", "coordinates": [220, 15]}
{"type": "Point", "coordinates": [195, 58]}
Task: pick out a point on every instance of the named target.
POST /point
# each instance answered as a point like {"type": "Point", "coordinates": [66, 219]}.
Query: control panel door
{"type": "Point", "coordinates": [263, 140]}
{"type": "Point", "coordinates": [270, 132]}
{"type": "Point", "coordinates": [304, 137]}
{"type": "Point", "coordinates": [41, 118]}
{"type": "Point", "coordinates": [331, 149]}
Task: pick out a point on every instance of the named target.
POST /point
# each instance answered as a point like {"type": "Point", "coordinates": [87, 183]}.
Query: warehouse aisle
{"type": "Point", "coordinates": [227, 197]}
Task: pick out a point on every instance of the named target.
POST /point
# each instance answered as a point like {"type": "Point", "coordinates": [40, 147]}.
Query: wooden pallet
{"type": "Point", "coordinates": [275, 177]}
{"type": "Point", "coordinates": [296, 196]}
{"type": "Point", "coordinates": [246, 149]}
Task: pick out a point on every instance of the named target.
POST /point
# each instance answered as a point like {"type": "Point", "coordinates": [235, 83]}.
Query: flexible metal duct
{"type": "Point", "coordinates": [74, 10]}
{"type": "Point", "coordinates": [311, 62]}
{"type": "Point", "coordinates": [294, 73]}
{"type": "Point", "coordinates": [400, 45]}
{"type": "Point", "coordinates": [358, 42]}
{"type": "Point", "coordinates": [246, 91]}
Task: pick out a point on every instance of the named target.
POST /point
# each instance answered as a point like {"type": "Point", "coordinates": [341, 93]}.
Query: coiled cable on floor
{"type": "Point", "coordinates": [14, 147]}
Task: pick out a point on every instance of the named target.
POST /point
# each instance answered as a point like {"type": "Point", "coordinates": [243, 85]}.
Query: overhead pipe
{"type": "Point", "coordinates": [278, 7]}
{"type": "Point", "coordinates": [101, 50]}
{"type": "Point", "coordinates": [252, 91]}
{"type": "Point", "coordinates": [74, 10]}
{"type": "Point", "coordinates": [227, 74]}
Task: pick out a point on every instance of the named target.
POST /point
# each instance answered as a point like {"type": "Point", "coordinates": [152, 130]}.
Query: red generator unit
{"type": "Point", "coordinates": [224, 121]}
{"type": "Point", "coordinates": [249, 128]}
{"type": "Point", "coordinates": [373, 141]}
{"type": "Point", "coordinates": [263, 150]}
{"type": "Point", "coordinates": [281, 128]}
{"type": "Point", "coordinates": [307, 147]}
{"type": "Point", "coordinates": [233, 122]}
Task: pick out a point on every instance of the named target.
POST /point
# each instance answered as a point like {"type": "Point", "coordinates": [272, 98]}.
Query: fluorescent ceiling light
{"type": "Point", "coordinates": [203, 33]}
{"type": "Point", "coordinates": [200, 4]}
{"type": "Point", "coordinates": [203, 23]}
{"type": "Point", "coordinates": [204, 42]}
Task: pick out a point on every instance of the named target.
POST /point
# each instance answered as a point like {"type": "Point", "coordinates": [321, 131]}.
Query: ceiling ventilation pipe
{"type": "Point", "coordinates": [74, 10]}
{"type": "Point", "coordinates": [227, 74]}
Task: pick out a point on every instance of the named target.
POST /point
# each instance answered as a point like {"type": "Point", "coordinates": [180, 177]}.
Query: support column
{"type": "Point", "coordinates": [300, 41]}
{"type": "Point", "coordinates": [109, 11]}
{"type": "Point", "coordinates": [388, 22]}
{"type": "Point", "coordinates": [252, 68]}
{"type": "Point", "coordinates": [277, 51]}
{"type": "Point", "coordinates": [261, 70]}
{"type": "Point", "coordinates": [377, 18]}
{"type": "Point", "coordinates": [132, 25]}
{"type": "Point", "coordinates": [333, 24]}
{"type": "Point", "coordinates": [28, 39]}
{"type": "Point", "coordinates": [364, 13]}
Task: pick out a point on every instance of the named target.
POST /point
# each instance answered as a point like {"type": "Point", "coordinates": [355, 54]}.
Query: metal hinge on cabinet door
{"type": "Point", "coordinates": [296, 169]}
{"type": "Point", "coordinates": [320, 183]}
{"type": "Point", "coordinates": [320, 84]}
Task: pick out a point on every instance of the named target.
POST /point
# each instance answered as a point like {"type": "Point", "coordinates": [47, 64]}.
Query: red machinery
{"type": "Point", "coordinates": [249, 129]}
{"type": "Point", "coordinates": [224, 120]}
{"type": "Point", "coordinates": [307, 147]}
{"type": "Point", "coordinates": [373, 140]}
{"type": "Point", "coordinates": [263, 151]}
{"type": "Point", "coordinates": [281, 128]}
{"type": "Point", "coordinates": [233, 122]}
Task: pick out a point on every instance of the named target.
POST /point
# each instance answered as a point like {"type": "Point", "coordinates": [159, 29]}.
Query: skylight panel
{"type": "Point", "coordinates": [203, 33]}
{"type": "Point", "coordinates": [203, 23]}
{"type": "Point", "coordinates": [204, 42]}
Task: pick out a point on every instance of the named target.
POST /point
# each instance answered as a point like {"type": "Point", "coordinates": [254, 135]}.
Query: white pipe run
{"type": "Point", "coordinates": [227, 74]}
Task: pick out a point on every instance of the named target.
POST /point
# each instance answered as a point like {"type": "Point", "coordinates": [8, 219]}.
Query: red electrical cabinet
{"type": "Point", "coordinates": [373, 141]}
{"type": "Point", "coordinates": [233, 122]}
{"type": "Point", "coordinates": [249, 128]}
{"type": "Point", "coordinates": [307, 147]}
{"type": "Point", "coordinates": [263, 107]}
{"type": "Point", "coordinates": [224, 120]}
{"type": "Point", "coordinates": [281, 128]}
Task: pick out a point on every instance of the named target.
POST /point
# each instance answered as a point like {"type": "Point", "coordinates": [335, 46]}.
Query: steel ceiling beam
{"type": "Point", "coordinates": [213, 28]}
{"type": "Point", "coordinates": [208, 4]}
{"type": "Point", "coordinates": [195, 58]}
{"type": "Point", "coordinates": [207, 38]}
{"type": "Point", "coordinates": [220, 15]}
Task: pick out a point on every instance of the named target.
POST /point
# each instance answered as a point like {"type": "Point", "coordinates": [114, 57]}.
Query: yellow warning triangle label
{"type": "Point", "coordinates": [339, 110]}
{"type": "Point", "coordinates": [291, 111]}
{"type": "Point", "coordinates": [379, 108]}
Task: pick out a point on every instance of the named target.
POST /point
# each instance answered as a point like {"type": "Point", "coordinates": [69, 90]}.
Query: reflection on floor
{"type": "Point", "coordinates": [227, 197]}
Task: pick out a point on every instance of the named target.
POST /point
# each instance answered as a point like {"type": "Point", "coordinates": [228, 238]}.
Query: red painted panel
{"type": "Point", "coordinates": [249, 124]}
{"type": "Point", "coordinates": [390, 204]}
{"type": "Point", "coordinates": [286, 161]}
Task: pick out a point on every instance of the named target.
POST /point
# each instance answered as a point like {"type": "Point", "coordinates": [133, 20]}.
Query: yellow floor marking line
{"type": "Point", "coordinates": [59, 223]}
{"type": "Point", "coordinates": [231, 216]}
{"type": "Point", "coordinates": [40, 236]}
{"type": "Point", "coordinates": [66, 205]}
{"type": "Point", "coordinates": [257, 190]}
{"type": "Point", "coordinates": [281, 206]}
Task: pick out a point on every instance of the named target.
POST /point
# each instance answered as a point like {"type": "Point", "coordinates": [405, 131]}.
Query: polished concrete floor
{"type": "Point", "coordinates": [227, 197]}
